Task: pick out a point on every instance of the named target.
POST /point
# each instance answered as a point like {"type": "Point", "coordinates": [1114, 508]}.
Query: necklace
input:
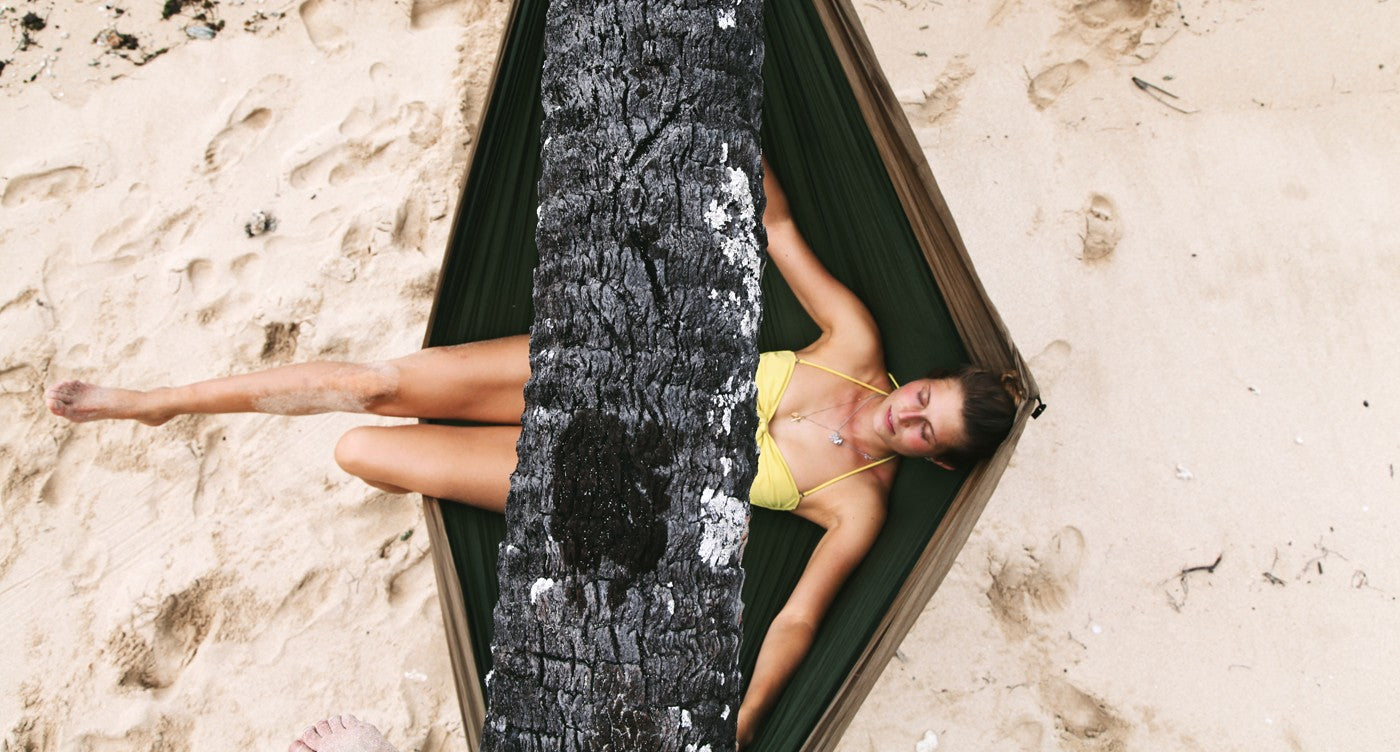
{"type": "Point", "coordinates": [835, 436]}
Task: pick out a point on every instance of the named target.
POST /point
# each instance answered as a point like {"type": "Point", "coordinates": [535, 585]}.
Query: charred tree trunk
{"type": "Point", "coordinates": [618, 621]}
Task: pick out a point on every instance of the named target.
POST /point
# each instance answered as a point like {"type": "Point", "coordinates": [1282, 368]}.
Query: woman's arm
{"type": "Point", "coordinates": [835, 309]}
{"type": "Point", "coordinates": [791, 633]}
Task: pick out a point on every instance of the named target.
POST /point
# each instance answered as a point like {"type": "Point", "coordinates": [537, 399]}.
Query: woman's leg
{"type": "Point", "coordinates": [479, 381]}
{"type": "Point", "coordinates": [470, 465]}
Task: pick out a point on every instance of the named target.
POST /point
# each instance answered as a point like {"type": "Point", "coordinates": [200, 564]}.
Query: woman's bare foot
{"type": "Point", "coordinates": [341, 733]}
{"type": "Point", "coordinates": [81, 402]}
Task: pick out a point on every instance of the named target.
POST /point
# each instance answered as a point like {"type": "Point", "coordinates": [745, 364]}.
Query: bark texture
{"type": "Point", "coordinates": [618, 621]}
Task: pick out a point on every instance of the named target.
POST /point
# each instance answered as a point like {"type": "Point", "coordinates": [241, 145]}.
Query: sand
{"type": "Point", "coordinates": [1205, 285]}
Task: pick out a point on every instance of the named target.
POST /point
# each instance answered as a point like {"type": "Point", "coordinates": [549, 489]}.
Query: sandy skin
{"type": "Point", "coordinates": [341, 733]}
{"type": "Point", "coordinates": [81, 402]}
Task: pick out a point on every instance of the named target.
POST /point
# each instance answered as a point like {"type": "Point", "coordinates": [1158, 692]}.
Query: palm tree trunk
{"type": "Point", "coordinates": [618, 621]}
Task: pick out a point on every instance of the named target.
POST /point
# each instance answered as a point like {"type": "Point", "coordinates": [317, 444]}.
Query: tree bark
{"type": "Point", "coordinates": [618, 621]}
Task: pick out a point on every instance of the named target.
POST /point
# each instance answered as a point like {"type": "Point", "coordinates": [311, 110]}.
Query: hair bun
{"type": "Point", "coordinates": [1011, 382]}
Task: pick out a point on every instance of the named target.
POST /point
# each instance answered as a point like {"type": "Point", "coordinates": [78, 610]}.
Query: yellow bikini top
{"type": "Point", "coordinates": [773, 486]}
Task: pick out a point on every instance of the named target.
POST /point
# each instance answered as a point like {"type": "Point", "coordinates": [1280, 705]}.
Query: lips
{"type": "Point", "coordinates": [889, 419]}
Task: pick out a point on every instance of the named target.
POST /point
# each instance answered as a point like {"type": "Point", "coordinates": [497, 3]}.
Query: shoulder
{"type": "Point", "coordinates": [856, 354]}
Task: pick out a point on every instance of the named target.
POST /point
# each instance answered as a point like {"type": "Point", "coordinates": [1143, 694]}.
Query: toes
{"type": "Point", "coordinates": [324, 728]}
{"type": "Point", "coordinates": [297, 746]}
{"type": "Point", "coordinates": [337, 723]}
{"type": "Point", "coordinates": [310, 738]}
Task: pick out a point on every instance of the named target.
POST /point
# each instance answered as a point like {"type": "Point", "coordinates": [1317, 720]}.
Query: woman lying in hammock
{"type": "Point", "coordinates": [832, 427]}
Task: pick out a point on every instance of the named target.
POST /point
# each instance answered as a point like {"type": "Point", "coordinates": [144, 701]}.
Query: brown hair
{"type": "Point", "coordinates": [990, 400]}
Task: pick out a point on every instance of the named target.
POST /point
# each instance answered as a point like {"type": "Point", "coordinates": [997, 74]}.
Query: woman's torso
{"type": "Point", "coordinates": [797, 456]}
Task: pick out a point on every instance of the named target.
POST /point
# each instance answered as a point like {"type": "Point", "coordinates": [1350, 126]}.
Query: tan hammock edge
{"type": "Point", "coordinates": [980, 327]}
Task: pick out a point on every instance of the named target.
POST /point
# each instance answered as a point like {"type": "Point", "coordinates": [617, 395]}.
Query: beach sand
{"type": "Point", "coordinates": [1190, 551]}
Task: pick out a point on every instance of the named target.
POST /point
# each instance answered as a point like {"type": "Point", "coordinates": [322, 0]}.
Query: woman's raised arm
{"type": "Point", "coordinates": [790, 635]}
{"type": "Point", "coordinates": [834, 308]}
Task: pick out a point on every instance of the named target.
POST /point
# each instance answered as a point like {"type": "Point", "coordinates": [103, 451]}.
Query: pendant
{"type": "Point", "coordinates": [836, 438]}
{"type": "Point", "coordinates": [796, 418]}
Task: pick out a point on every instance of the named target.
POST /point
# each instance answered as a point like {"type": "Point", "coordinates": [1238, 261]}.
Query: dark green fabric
{"type": "Point", "coordinates": [817, 142]}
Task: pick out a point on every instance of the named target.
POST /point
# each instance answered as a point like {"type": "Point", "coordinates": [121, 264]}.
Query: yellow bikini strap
{"type": "Point", "coordinates": [843, 476]}
{"type": "Point", "coordinates": [835, 372]}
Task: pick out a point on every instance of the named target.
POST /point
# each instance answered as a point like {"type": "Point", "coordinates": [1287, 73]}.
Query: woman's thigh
{"type": "Point", "coordinates": [477, 381]}
{"type": "Point", "coordinates": [470, 465]}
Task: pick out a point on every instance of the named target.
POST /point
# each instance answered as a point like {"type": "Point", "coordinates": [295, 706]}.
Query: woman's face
{"type": "Point", "coordinates": [923, 418]}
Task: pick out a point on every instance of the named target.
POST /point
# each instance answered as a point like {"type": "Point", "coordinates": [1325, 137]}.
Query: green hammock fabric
{"type": "Point", "coordinates": [842, 199]}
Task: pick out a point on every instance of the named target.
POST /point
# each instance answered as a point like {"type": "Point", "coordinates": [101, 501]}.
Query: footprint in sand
{"type": "Point", "coordinates": [1124, 27]}
{"type": "Point", "coordinates": [177, 629]}
{"type": "Point", "coordinates": [944, 98]}
{"type": "Point", "coordinates": [168, 733]}
{"type": "Point", "coordinates": [84, 563]}
{"type": "Point", "coordinates": [411, 223]}
{"type": "Point", "coordinates": [235, 140]}
{"type": "Point", "coordinates": [57, 184]}
{"type": "Point", "coordinates": [1085, 722]}
{"type": "Point", "coordinates": [371, 144]}
{"type": "Point", "coordinates": [37, 730]}
{"type": "Point", "coordinates": [1099, 13]}
{"type": "Point", "coordinates": [1035, 578]}
{"type": "Point", "coordinates": [425, 13]}
{"type": "Point", "coordinates": [200, 273]}
{"type": "Point", "coordinates": [1102, 230]}
{"type": "Point", "coordinates": [246, 124]}
{"type": "Point", "coordinates": [1050, 362]}
{"type": "Point", "coordinates": [136, 206]}
{"type": "Point", "coordinates": [1050, 83]}
{"type": "Point", "coordinates": [280, 341]}
{"type": "Point", "coordinates": [327, 23]}
{"type": "Point", "coordinates": [1024, 733]}
{"type": "Point", "coordinates": [65, 171]}
{"type": "Point", "coordinates": [407, 572]}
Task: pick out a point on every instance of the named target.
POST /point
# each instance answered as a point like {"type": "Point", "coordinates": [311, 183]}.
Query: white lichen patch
{"type": "Point", "coordinates": [685, 718]}
{"type": "Point", "coordinates": [734, 216]}
{"type": "Point", "coordinates": [716, 218]}
{"type": "Point", "coordinates": [722, 527]}
{"type": "Point", "coordinates": [724, 714]}
{"type": "Point", "coordinates": [727, 19]}
{"type": "Point", "coordinates": [540, 586]}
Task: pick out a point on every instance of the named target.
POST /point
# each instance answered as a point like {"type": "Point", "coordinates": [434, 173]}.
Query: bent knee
{"type": "Point", "coordinates": [355, 451]}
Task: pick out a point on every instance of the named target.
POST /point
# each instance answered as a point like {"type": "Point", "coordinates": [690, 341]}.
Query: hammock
{"type": "Point", "coordinates": [864, 198]}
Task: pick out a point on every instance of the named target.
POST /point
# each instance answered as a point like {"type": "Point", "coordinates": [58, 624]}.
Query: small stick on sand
{"type": "Point", "coordinates": [1153, 90]}
{"type": "Point", "coordinates": [1177, 603]}
{"type": "Point", "coordinates": [1204, 567]}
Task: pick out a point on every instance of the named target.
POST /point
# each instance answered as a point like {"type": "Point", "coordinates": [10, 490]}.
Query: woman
{"type": "Point", "coordinates": [832, 429]}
